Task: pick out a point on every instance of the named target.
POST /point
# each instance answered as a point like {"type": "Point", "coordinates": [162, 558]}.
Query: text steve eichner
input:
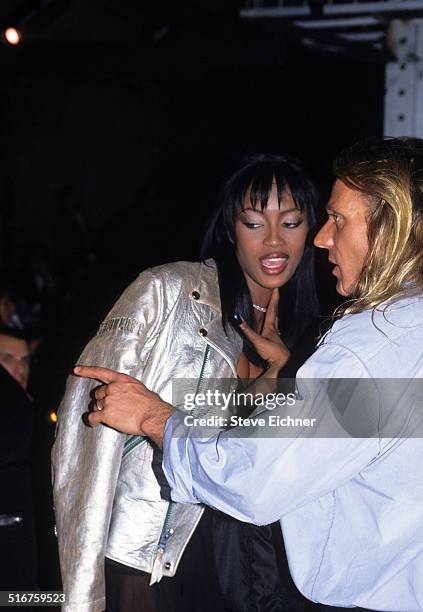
{"type": "Point", "coordinates": [272, 420]}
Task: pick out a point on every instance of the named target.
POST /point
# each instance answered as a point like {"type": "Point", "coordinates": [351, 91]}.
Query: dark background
{"type": "Point", "coordinates": [120, 119]}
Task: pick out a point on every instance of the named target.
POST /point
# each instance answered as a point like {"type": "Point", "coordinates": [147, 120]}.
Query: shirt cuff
{"type": "Point", "coordinates": [176, 462]}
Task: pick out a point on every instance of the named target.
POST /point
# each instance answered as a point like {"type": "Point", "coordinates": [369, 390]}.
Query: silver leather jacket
{"type": "Point", "coordinates": [166, 326]}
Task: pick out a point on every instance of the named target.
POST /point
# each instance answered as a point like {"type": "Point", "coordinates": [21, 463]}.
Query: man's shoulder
{"type": "Point", "coordinates": [382, 343]}
{"type": "Point", "coordinates": [392, 327]}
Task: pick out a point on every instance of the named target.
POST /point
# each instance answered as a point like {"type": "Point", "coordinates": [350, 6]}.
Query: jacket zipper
{"type": "Point", "coordinates": [131, 443]}
{"type": "Point", "coordinates": [222, 354]}
{"type": "Point", "coordinates": [203, 368]}
{"type": "Point", "coordinates": [166, 532]}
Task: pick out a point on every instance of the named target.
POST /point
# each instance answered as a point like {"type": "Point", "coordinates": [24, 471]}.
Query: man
{"type": "Point", "coordinates": [15, 355]}
{"type": "Point", "coordinates": [17, 532]}
{"type": "Point", "coordinates": [349, 495]}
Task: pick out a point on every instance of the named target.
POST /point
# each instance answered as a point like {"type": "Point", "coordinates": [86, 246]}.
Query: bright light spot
{"type": "Point", "coordinates": [13, 36]}
{"type": "Point", "coordinates": [53, 417]}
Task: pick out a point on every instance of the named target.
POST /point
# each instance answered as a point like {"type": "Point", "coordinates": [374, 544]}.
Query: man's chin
{"type": "Point", "coordinates": [340, 289]}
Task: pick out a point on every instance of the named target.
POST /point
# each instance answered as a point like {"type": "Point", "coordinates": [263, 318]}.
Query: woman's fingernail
{"type": "Point", "coordinates": [237, 319]}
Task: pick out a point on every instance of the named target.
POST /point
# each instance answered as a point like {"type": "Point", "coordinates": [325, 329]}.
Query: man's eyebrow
{"type": "Point", "coordinates": [329, 209]}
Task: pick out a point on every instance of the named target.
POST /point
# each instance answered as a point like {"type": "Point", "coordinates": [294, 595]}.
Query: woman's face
{"type": "Point", "coordinates": [270, 243]}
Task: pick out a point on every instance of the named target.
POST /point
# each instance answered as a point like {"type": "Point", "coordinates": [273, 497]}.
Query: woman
{"type": "Point", "coordinates": [249, 266]}
{"type": "Point", "coordinates": [177, 321]}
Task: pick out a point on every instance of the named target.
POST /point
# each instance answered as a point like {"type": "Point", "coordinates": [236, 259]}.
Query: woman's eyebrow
{"type": "Point", "coordinates": [248, 208]}
{"type": "Point", "coordinates": [290, 210]}
{"type": "Point", "coordinates": [258, 210]}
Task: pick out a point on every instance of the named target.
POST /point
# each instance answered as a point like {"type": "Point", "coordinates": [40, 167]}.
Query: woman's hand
{"type": "Point", "coordinates": [268, 344]}
{"type": "Point", "coordinates": [124, 403]}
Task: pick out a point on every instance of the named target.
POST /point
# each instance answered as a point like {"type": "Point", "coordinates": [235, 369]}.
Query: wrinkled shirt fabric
{"type": "Point", "coordinates": [351, 508]}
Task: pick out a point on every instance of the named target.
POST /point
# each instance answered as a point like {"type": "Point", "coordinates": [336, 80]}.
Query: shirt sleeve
{"type": "Point", "coordinates": [259, 475]}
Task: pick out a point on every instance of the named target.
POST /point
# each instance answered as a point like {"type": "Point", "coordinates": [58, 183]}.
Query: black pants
{"type": "Point", "coordinates": [228, 566]}
{"type": "Point", "coordinates": [194, 588]}
{"type": "Point", "coordinates": [128, 589]}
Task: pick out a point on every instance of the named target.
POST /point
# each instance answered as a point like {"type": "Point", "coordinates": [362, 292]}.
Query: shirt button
{"type": "Point", "coordinates": [195, 295]}
{"type": "Point", "coordinates": [167, 565]}
{"type": "Point", "coordinates": [202, 331]}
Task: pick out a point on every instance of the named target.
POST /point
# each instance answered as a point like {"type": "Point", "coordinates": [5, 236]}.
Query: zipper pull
{"type": "Point", "coordinates": [157, 571]}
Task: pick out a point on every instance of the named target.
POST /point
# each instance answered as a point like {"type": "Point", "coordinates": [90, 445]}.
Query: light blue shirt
{"type": "Point", "coordinates": [351, 509]}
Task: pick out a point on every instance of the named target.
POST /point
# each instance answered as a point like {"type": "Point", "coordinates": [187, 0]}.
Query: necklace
{"type": "Point", "coordinates": [260, 308]}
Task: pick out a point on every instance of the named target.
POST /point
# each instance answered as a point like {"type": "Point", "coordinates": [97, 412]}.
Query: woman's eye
{"type": "Point", "coordinates": [251, 225]}
{"type": "Point", "coordinates": [292, 224]}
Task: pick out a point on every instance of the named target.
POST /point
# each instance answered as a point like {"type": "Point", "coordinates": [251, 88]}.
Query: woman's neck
{"type": "Point", "coordinates": [261, 296]}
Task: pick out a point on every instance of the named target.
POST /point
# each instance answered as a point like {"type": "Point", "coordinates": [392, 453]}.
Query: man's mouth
{"type": "Point", "coordinates": [274, 263]}
{"type": "Point", "coordinates": [335, 269]}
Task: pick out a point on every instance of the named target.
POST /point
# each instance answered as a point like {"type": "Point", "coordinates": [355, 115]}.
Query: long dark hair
{"type": "Point", "coordinates": [298, 304]}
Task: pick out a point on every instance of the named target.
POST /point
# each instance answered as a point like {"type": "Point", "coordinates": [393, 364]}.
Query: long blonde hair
{"type": "Point", "coordinates": [389, 173]}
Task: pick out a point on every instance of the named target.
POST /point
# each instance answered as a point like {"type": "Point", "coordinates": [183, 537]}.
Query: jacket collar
{"type": "Point", "coordinates": [230, 345]}
{"type": "Point", "coordinates": [208, 285]}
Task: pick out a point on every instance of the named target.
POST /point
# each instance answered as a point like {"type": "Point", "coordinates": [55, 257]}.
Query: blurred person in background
{"type": "Point", "coordinates": [9, 316]}
{"type": "Point", "coordinates": [15, 355]}
{"type": "Point", "coordinates": [18, 563]}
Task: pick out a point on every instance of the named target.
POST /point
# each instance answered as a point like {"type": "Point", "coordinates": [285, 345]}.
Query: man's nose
{"type": "Point", "coordinates": [324, 238]}
{"type": "Point", "coordinates": [20, 370]}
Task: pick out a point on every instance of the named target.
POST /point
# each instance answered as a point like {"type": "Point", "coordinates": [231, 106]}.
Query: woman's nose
{"type": "Point", "coordinates": [274, 235]}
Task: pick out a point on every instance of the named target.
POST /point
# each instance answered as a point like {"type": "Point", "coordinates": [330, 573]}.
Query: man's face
{"type": "Point", "coordinates": [15, 358]}
{"type": "Point", "coordinates": [344, 235]}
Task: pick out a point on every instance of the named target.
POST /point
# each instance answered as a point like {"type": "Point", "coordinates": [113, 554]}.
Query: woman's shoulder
{"type": "Point", "coordinates": [156, 291]}
{"type": "Point", "coordinates": [182, 269]}
{"type": "Point", "coordinates": [184, 273]}
{"type": "Point", "coordinates": [162, 286]}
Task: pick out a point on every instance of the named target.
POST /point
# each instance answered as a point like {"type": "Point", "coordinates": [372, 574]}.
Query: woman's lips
{"type": "Point", "coordinates": [274, 264]}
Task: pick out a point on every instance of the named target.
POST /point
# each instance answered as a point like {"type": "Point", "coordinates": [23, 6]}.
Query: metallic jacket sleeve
{"type": "Point", "coordinates": [259, 479]}
{"type": "Point", "coordinates": [86, 461]}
